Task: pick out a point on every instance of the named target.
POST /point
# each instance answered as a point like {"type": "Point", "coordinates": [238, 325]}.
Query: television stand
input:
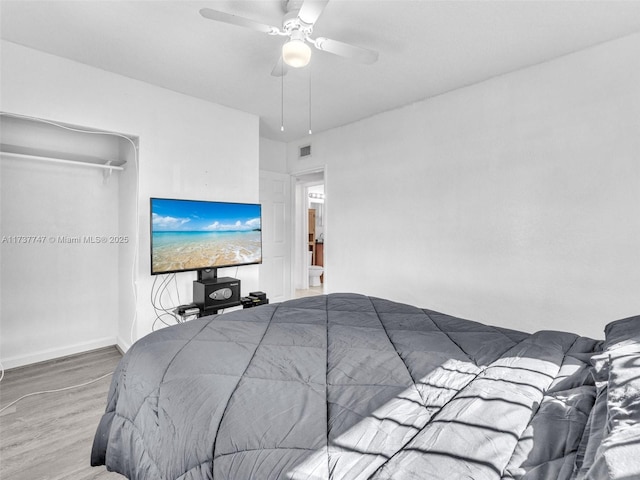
{"type": "Point", "coordinates": [207, 274]}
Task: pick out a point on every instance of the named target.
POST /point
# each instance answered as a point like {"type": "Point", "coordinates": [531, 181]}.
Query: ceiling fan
{"type": "Point", "coordinates": [298, 25]}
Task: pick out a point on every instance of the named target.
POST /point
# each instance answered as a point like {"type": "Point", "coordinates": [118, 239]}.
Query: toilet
{"type": "Point", "coordinates": [314, 273]}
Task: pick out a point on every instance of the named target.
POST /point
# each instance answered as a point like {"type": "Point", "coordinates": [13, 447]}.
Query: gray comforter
{"type": "Point", "coordinates": [351, 387]}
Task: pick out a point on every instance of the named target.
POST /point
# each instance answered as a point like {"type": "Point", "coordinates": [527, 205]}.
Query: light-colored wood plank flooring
{"type": "Point", "coordinates": [311, 292]}
{"type": "Point", "coordinates": [49, 436]}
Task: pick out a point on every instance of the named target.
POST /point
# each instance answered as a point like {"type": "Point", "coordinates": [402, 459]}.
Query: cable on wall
{"type": "Point", "coordinates": [157, 294]}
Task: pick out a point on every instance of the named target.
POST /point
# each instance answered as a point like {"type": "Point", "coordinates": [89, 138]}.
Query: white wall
{"type": "Point", "coordinates": [514, 202]}
{"type": "Point", "coordinates": [273, 155]}
{"type": "Point", "coordinates": [186, 148]}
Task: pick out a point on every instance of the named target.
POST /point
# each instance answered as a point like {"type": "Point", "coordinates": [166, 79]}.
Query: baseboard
{"type": "Point", "coordinates": [122, 345]}
{"type": "Point", "coordinates": [50, 354]}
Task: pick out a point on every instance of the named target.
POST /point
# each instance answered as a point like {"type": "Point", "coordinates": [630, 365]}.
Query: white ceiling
{"type": "Point", "coordinates": [426, 48]}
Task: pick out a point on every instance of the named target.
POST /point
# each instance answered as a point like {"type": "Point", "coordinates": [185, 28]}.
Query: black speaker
{"type": "Point", "coordinates": [210, 295]}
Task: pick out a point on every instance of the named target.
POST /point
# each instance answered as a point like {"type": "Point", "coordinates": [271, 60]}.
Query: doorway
{"type": "Point", "coordinates": [310, 234]}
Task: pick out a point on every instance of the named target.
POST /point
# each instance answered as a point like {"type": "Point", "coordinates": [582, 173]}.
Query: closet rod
{"type": "Point", "coordinates": [61, 160]}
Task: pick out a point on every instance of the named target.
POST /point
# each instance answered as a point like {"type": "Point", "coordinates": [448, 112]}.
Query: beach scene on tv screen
{"type": "Point", "coordinates": [189, 235]}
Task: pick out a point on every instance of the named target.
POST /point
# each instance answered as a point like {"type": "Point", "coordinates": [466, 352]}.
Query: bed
{"type": "Point", "coordinates": [345, 386]}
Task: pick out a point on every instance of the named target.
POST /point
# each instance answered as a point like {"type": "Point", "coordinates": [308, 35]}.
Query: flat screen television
{"type": "Point", "coordinates": [189, 235]}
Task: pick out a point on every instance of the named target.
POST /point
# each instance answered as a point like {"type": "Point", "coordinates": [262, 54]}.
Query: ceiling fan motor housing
{"type": "Point", "coordinates": [292, 24]}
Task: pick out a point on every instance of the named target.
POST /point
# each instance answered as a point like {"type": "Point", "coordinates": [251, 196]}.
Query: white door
{"type": "Point", "coordinates": [275, 272]}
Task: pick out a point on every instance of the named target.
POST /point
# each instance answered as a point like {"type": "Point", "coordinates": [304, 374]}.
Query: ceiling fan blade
{"type": "Point", "coordinates": [236, 20]}
{"type": "Point", "coordinates": [280, 69]}
{"type": "Point", "coordinates": [311, 10]}
{"type": "Point", "coordinates": [358, 54]}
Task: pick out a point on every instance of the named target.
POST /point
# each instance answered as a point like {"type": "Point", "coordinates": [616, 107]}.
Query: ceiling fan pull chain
{"type": "Point", "coordinates": [282, 97]}
{"type": "Point", "coordinates": [310, 132]}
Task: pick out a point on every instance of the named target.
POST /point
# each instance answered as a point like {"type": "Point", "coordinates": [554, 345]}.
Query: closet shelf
{"type": "Point", "coordinates": [59, 157]}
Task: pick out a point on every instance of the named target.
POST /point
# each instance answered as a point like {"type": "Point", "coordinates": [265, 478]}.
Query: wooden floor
{"type": "Point", "coordinates": [49, 436]}
{"type": "Point", "coordinates": [311, 292]}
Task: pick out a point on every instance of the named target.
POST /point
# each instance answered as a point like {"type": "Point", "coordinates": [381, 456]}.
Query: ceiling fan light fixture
{"type": "Point", "coordinates": [296, 53]}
